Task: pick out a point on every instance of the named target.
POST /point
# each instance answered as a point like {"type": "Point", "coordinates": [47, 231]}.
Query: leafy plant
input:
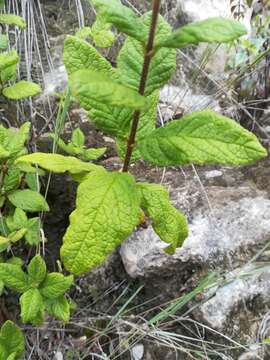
{"type": "Point", "coordinates": [11, 341]}
{"type": "Point", "coordinates": [76, 146]}
{"type": "Point", "coordinates": [40, 291]}
{"type": "Point", "coordinates": [9, 59]}
{"type": "Point", "coordinates": [122, 102]}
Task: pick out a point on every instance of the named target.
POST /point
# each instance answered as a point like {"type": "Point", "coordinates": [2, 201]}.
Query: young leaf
{"type": "Point", "coordinates": [122, 17]}
{"type": "Point", "coordinates": [12, 338]}
{"type": "Point", "coordinates": [21, 90]}
{"type": "Point", "coordinates": [8, 59]}
{"type": "Point", "coordinates": [169, 223]}
{"type": "Point", "coordinates": [10, 19]}
{"type": "Point", "coordinates": [17, 235]}
{"type": "Point", "coordinates": [203, 137]}
{"type": "Point", "coordinates": [4, 243]}
{"type": "Point", "coordinates": [32, 236]}
{"type": "Point", "coordinates": [106, 213]}
{"type": "Point", "coordinates": [58, 163]}
{"type": "Point", "coordinates": [78, 138]}
{"type": "Point", "coordinates": [131, 57]}
{"type": "Point", "coordinates": [8, 73]}
{"type": "Point", "coordinates": [32, 307]}
{"type": "Point", "coordinates": [36, 271]}
{"type": "Point", "coordinates": [55, 285]}
{"type": "Point", "coordinates": [101, 34]}
{"type": "Point", "coordinates": [59, 308]}
{"type": "Point", "coordinates": [12, 179]}
{"type": "Point", "coordinates": [28, 200]}
{"type": "Point", "coordinates": [4, 153]}
{"type": "Point", "coordinates": [91, 87]}
{"type": "Point", "coordinates": [212, 30]}
{"type": "Point", "coordinates": [13, 277]}
{"type": "Point", "coordinates": [3, 42]}
{"type": "Point", "coordinates": [19, 220]}
{"type": "Point", "coordinates": [80, 55]}
{"type": "Point", "coordinates": [93, 154]}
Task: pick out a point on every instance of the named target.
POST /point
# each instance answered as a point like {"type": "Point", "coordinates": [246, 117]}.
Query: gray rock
{"type": "Point", "coordinates": [223, 236]}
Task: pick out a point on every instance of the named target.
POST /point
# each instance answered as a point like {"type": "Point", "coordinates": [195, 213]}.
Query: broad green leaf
{"type": "Point", "coordinates": [58, 163]}
{"type": "Point", "coordinates": [203, 137]}
{"type": "Point", "coordinates": [17, 235]}
{"type": "Point", "coordinates": [19, 220]}
{"type": "Point", "coordinates": [15, 261]}
{"type": "Point", "coordinates": [116, 121]}
{"type": "Point", "coordinates": [21, 90]}
{"type": "Point", "coordinates": [36, 271]}
{"type": "Point", "coordinates": [4, 153]}
{"type": "Point", "coordinates": [212, 30]}
{"type": "Point", "coordinates": [59, 308]}
{"type": "Point", "coordinates": [8, 59]}
{"type": "Point", "coordinates": [55, 285]}
{"type": "Point", "coordinates": [28, 200]}
{"type": "Point", "coordinates": [14, 139]}
{"type": "Point", "coordinates": [10, 19]}
{"type": "Point", "coordinates": [32, 237]}
{"type": "Point", "coordinates": [169, 223]}
{"type": "Point", "coordinates": [131, 57]}
{"type": "Point", "coordinates": [13, 277]}
{"type": "Point", "coordinates": [93, 154]}
{"type": "Point", "coordinates": [107, 211]}
{"type": "Point", "coordinates": [9, 73]}
{"type": "Point", "coordinates": [28, 169]}
{"type": "Point", "coordinates": [32, 307]}
{"type": "Point", "coordinates": [32, 181]}
{"type": "Point", "coordinates": [80, 55]}
{"type": "Point", "coordinates": [12, 338]}
{"type": "Point", "coordinates": [4, 243]}
{"type": "Point", "coordinates": [91, 88]}
{"type": "Point", "coordinates": [3, 42]}
{"type": "Point", "coordinates": [122, 17]}
{"type": "Point", "coordinates": [12, 179]}
{"type": "Point", "coordinates": [78, 138]}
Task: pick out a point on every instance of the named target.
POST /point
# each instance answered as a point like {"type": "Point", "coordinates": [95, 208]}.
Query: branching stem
{"type": "Point", "coordinates": [146, 65]}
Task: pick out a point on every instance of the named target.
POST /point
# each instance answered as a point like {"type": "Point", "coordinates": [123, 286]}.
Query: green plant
{"type": "Point", "coordinates": [8, 64]}
{"type": "Point", "coordinates": [11, 341]}
{"type": "Point", "coordinates": [76, 147]}
{"type": "Point", "coordinates": [122, 102]}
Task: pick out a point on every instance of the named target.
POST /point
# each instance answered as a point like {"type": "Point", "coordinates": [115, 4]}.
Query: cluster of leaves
{"type": "Point", "coordinates": [18, 191]}
{"type": "Point", "coordinates": [76, 147]}
{"type": "Point", "coordinates": [110, 205]}
{"type": "Point", "coordinates": [41, 291]}
{"type": "Point", "coordinates": [9, 60]}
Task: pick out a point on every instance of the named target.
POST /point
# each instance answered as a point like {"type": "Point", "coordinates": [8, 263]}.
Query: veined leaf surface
{"type": "Point", "coordinates": [21, 90]}
{"type": "Point", "coordinates": [91, 87]}
{"type": "Point", "coordinates": [169, 223]}
{"type": "Point", "coordinates": [58, 163]}
{"type": "Point", "coordinates": [203, 137]}
{"type": "Point", "coordinates": [122, 17]}
{"type": "Point", "coordinates": [212, 30]}
{"type": "Point", "coordinates": [106, 213]}
{"type": "Point", "coordinates": [80, 55]}
{"type": "Point", "coordinates": [131, 57]}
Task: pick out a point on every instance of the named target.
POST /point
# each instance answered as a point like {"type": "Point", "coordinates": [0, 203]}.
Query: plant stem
{"type": "Point", "coordinates": [146, 65]}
